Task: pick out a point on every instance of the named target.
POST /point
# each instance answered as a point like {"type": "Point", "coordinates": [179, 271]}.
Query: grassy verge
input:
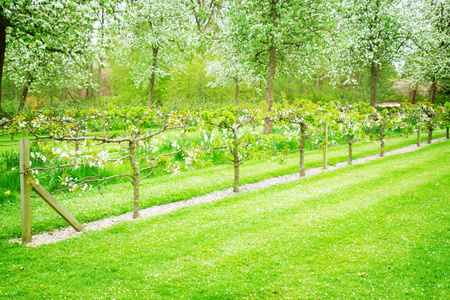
{"type": "Point", "coordinates": [355, 233]}
{"type": "Point", "coordinates": [116, 199]}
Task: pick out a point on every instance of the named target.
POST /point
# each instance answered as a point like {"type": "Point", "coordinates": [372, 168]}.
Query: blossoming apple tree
{"type": "Point", "coordinates": [132, 127]}
{"type": "Point", "coordinates": [349, 122]}
{"type": "Point", "coordinates": [431, 119]}
{"type": "Point", "coordinates": [301, 115]}
{"type": "Point", "coordinates": [380, 121]}
{"type": "Point", "coordinates": [269, 31]}
{"type": "Point", "coordinates": [232, 135]}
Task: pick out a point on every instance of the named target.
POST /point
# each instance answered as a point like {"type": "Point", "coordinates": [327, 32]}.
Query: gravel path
{"type": "Point", "coordinates": [69, 232]}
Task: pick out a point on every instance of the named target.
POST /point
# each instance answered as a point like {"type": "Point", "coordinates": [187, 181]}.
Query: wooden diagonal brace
{"type": "Point", "coordinates": [61, 210]}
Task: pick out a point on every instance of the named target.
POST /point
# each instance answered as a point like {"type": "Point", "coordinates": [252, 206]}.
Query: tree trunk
{"type": "Point", "coordinates": [63, 95]}
{"type": "Point", "coordinates": [137, 144]}
{"type": "Point", "coordinates": [236, 94]}
{"type": "Point", "coordinates": [2, 51]}
{"type": "Point", "coordinates": [236, 163]}
{"type": "Point", "coordinates": [150, 92]}
{"type": "Point", "coordinates": [269, 88]}
{"type": "Point", "coordinates": [302, 149]}
{"type": "Point", "coordinates": [373, 84]}
{"type": "Point", "coordinates": [23, 98]}
{"type": "Point", "coordinates": [153, 77]}
{"type": "Point", "coordinates": [433, 91]}
{"type": "Point", "coordinates": [350, 149]}
{"type": "Point", "coordinates": [447, 134]}
{"type": "Point", "coordinates": [134, 167]}
{"type": "Point", "coordinates": [430, 135]}
{"type": "Point", "coordinates": [414, 94]}
{"type": "Point", "coordinates": [383, 137]}
{"type": "Point", "coordinates": [23, 95]}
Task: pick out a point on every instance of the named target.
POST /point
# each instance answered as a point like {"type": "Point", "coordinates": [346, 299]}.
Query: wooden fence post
{"type": "Point", "coordinates": [26, 184]}
{"type": "Point", "coordinates": [25, 189]}
{"type": "Point", "coordinates": [325, 145]}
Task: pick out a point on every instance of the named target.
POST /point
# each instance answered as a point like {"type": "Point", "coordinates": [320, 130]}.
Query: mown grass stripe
{"type": "Point", "coordinates": [368, 231]}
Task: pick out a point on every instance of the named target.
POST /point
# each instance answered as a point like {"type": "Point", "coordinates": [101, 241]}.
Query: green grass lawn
{"type": "Point", "coordinates": [378, 230]}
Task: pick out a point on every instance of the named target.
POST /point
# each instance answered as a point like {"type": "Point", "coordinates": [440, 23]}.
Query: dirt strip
{"type": "Point", "coordinates": [69, 232]}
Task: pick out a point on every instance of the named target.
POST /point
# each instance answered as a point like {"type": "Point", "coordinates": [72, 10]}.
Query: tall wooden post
{"type": "Point", "coordinates": [350, 149]}
{"type": "Point", "coordinates": [25, 189]}
{"type": "Point", "coordinates": [26, 184]}
{"type": "Point", "coordinates": [325, 145]}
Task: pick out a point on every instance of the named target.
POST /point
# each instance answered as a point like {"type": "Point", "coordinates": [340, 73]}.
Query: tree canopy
{"type": "Point", "coordinates": [32, 31]}
{"type": "Point", "coordinates": [189, 52]}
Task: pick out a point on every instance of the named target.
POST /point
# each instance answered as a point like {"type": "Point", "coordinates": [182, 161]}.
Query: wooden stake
{"type": "Point", "coordinates": [25, 190]}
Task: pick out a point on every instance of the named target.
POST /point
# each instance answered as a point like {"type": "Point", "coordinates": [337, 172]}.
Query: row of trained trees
{"type": "Point", "coordinates": [64, 45]}
{"type": "Point", "coordinates": [149, 140]}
